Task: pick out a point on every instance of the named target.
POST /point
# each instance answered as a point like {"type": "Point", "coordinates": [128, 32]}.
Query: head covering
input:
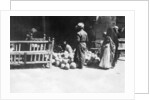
{"type": "Point", "coordinates": [33, 30]}
{"type": "Point", "coordinates": [81, 25]}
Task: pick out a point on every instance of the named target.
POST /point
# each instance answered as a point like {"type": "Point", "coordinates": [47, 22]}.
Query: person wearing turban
{"type": "Point", "coordinates": [81, 40]}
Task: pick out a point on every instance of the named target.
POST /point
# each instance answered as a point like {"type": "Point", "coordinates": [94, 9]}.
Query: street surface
{"type": "Point", "coordinates": [56, 80]}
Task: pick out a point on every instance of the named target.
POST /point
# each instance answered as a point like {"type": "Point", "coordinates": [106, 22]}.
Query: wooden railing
{"type": "Point", "coordinates": [31, 52]}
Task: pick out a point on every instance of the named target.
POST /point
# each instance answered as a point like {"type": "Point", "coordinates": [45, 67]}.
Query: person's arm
{"type": "Point", "coordinates": [78, 37]}
{"type": "Point", "coordinates": [69, 48]}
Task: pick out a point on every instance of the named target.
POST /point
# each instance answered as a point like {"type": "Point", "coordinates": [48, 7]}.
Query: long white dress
{"type": "Point", "coordinates": [108, 51]}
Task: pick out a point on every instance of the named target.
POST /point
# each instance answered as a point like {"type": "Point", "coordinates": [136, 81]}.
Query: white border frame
{"type": "Point", "coordinates": [129, 63]}
{"type": "Point", "coordinates": [141, 8]}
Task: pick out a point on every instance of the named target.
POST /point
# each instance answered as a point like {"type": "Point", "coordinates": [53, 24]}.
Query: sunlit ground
{"type": "Point", "coordinates": [40, 80]}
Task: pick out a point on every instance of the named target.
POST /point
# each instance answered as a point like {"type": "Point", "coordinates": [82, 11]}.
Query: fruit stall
{"type": "Point", "coordinates": [66, 61]}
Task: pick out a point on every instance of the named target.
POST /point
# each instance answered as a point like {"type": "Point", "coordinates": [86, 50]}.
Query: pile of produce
{"type": "Point", "coordinates": [91, 59]}
{"type": "Point", "coordinates": [66, 61]}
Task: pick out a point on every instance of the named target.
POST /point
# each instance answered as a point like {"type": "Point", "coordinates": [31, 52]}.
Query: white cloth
{"type": "Point", "coordinates": [108, 54]}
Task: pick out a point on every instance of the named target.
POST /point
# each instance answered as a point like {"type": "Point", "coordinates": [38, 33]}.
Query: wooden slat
{"type": "Point", "coordinates": [51, 52]}
{"type": "Point", "coordinates": [29, 41]}
{"type": "Point", "coordinates": [31, 59]}
{"type": "Point", "coordinates": [43, 57]}
{"type": "Point", "coordinates": [19, 47]}
{"type": "Point", "coordinates": [29, 52]}
{"type": "Point", "coordinates": [16, 47]}
{"type": "Point", "coordinates": [14, 58]}
{"type": "Point", "coordinates": [25, 58]}
{"type": "Point", "coordinates": [41, 47]}
{"type": "Point", "coordinates": [19, 58]}
{"type": "Point", "coordinates": [30, 47]}
{"type": "Point", "coordinates": [35, 57]}
{"type": "Point", "coordinates": [39, 56]}
{"type": "Point", "coordinates": [38, 47]}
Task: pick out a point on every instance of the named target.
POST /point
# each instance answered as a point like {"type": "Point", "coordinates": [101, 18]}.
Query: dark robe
{"type": "Point", "coordinates": [107, 53]}
{"type": "Point", "coordinates": [112, 33]}
{"type": "Point", "coordinates": [81, 47]}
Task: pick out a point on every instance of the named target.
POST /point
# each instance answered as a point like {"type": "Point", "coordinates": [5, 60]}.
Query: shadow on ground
{"type": "Point", "coordinates": [96, 67]}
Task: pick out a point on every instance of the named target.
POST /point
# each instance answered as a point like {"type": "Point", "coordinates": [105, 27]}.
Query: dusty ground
{"type": "Point", "coordinates": [73, 80]}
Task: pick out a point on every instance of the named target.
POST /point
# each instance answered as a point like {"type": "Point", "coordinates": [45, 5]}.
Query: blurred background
{"type": "Point", "coordinates": [63, 27]}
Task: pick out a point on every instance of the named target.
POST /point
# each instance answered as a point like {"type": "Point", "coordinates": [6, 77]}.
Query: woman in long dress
{"type": "Point", "coordinates": [107, 53]}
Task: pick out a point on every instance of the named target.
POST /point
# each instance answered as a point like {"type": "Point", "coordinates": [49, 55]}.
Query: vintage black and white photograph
{"type": "Point", "coordinates": [67, 54]}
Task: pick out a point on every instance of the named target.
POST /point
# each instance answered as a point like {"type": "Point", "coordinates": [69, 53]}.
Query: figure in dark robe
{"type": "Point", "coordinates": [81, 47]}
{"type": "Point", "coordinates": [109, 51]}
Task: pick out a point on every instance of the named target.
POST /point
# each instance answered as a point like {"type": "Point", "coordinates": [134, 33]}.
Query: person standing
{"type": "Point", "coordinates": [81, 47]}
{"type": "Point", "coordinates": [115, 39]}
{"type": "Point", "coordinates": [109, 51]}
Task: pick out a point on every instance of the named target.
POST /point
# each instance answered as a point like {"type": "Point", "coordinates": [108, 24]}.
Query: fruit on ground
{"type": "Point", "coordinates": [57, 63]}
{"type": "Point", "coordinates": [73, 65]}
{"type": "Point", "coordinates": [62, 65]}
{"type": "Point", "coordinates": [67, 66]}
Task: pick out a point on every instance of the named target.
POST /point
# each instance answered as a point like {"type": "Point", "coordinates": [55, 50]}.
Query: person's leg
{"type": "Point", "coordinates": [81, 62]}
{"type": "Point", "coordinates": [81, 57]}
{"type": "Point", "coordinates": [83, 50]}
{"type": "Point", "coordinates": [116, 56]}
{"type": "Point", "coordinates": [77, 57]}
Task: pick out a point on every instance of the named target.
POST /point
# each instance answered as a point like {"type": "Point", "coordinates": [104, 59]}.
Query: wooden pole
{"type": "Point", "coordinates": [25, 58]}
{"type": "Point", "coordinates": [41, 46]}
{"type": "Point", "coordinates": [31, 50]}
{"type": "Point", "coordinates": [35, 57]}
{"type": "Point", "coordinates": [19, 47]}
{"type": "Point", "coordinates": [49, 54]}
{"type": "Point", "coordinates": [16, 47]}
{"type": "Point", "coordinates": [19, 54]}
{"type": "Point", "coordinates": [14, 58]}
{"type": "Point", "coordinates": [43, 57]}
{"type": "Point", "coordinates": [51, 50]}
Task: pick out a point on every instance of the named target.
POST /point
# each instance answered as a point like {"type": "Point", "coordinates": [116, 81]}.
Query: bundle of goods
{"type": "Point", "coordinates": [64, 60]}
{"type": "Point", "coordinates": [91, 59]}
